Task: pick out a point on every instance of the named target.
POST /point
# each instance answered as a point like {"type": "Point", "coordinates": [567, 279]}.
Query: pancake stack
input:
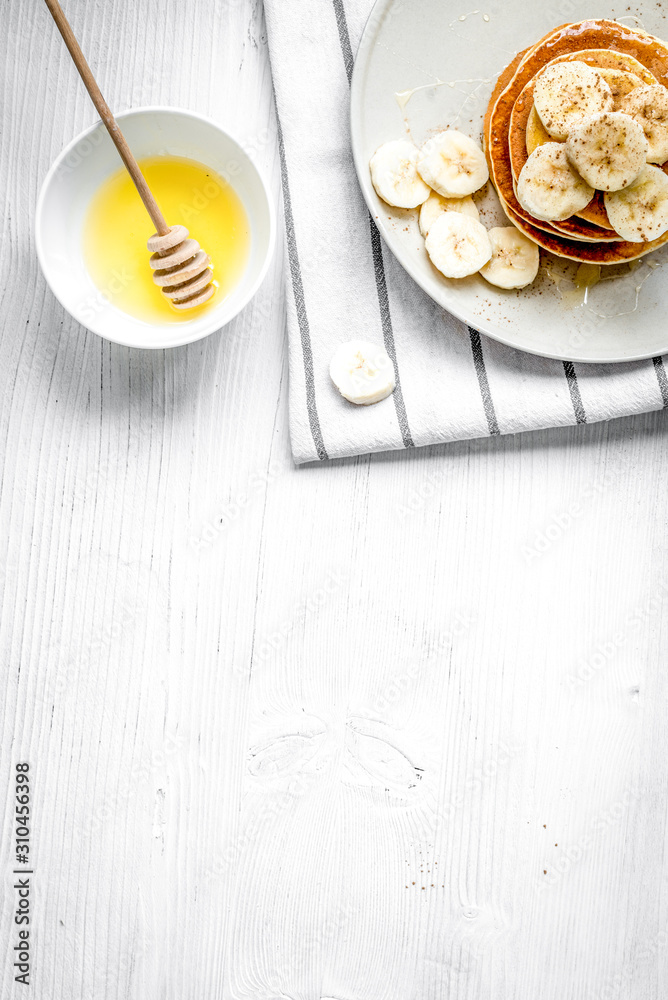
{"type": "Point", "coordinates": [626, 60]}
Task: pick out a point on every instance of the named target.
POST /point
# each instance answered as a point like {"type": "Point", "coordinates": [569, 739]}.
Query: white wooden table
{"type": "Point", "coordinates": [392, 727]}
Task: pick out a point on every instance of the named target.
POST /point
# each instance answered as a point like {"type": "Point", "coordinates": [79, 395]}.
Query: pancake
{"type": "Point", "coordinates": [592, 223]}
{"type": "Point", "coordinates": [624, 72]}
{"type": "Point", "coordinates": [638, 47]}
{"type": "Point", "coordinates": [610, 60]}
{"type": "Point", "coordinates": [588, 253]}
{"type": "Point", "coordinates": [504, 79]}
{"type": "Point", "coordinates": [575, 41]}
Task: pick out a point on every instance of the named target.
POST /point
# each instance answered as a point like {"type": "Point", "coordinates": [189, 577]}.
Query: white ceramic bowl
{"type": "Point", "coordinates": [77, 174]}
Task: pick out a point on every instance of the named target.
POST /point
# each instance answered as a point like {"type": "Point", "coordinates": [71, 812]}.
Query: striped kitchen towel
{"type": "Point", "coordinates": [343, 284]}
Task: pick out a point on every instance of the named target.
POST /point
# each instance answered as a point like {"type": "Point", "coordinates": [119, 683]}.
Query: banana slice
{"type": "Point", "coordinates": [395, 177]}
{"type": "Point", "coordinates": [566, 92]}
{"type": "Point", "coordinates": [649, 107]}
{"type": "Point", "coordinates": [453, 165]}
{"type": "Point", "coordinates": [362, 372]}
{"type": "Point", "coordinates": [639, 213]}
{"type": "Point", "coordinates": [621, 83]}
{"type": "Point", "coordinates": [536, 134]}
{"type": "Point", "coordinates": [549, 188]}
{"type": "Point", "coordinates": [435, 205]}
{"type": "Point", "coordinates": [515, 259]}
{"type": "Point", "coordinates": [609, 150]}
{"type": "Point", "coordinates": [458, 245]}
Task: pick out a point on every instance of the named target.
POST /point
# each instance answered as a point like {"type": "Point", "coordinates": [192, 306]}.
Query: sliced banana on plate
{"type": "Point", "coordinates": [609, 150]}
{"type": "Point", "coordinates": [649, 107]}
{"type": "Point", "coordinates": [394, 174]}
{"type": "Point", "coordinates": [639, 213]}
{"type": "Point", "coordinates": [536, 133]}
{"type": "Point", "coordinates": [515, 259]}
{"type": "Point", "coordinates": [362, 372]}
{"type": "Point", "coordinates": [549, 188]}
{"type": "Point", "coordinates": [621, 83]}
{"type": "Point", "coordinates": [568, 91]}
{"type": "Point", "coordinates": [458, 245]}
{"type": "Point", "coordinates": [435, 205]}
{"type": "Point", "coordinates": [452, 164]}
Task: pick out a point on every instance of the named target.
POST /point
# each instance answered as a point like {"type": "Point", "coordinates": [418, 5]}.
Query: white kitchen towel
{"type": "Point", "coordinates": [344, 284]}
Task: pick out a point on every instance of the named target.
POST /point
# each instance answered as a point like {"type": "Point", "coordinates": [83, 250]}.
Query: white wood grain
{"type": "Point", "coordinates": [389, 727]}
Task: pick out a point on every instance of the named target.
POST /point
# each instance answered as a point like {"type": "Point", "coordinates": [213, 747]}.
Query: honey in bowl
{"type": "Point", "coordinates": [117, 228]}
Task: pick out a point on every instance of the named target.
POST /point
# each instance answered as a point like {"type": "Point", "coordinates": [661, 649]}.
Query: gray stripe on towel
{"type": "Point", "coordinates": [388, 333]}
{"type": "Point", "coordinates": [344, 37]}
{"type": "Point", "coordinates": [574, 389]}
{"type": "Point", "coordinates": [661, 379]}
{"type": "Point", "coordinates": [483, 382]}
{"type": "Point", "coordinates": [300, 301]}
{"type": "Point", "coordinates": [377, 252]}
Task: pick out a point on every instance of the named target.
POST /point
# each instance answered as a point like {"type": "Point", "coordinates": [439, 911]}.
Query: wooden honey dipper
{"type": "Point", "coordinates": [181, 269]}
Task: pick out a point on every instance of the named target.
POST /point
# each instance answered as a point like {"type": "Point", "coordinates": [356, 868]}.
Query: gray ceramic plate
{"type": "Point", "coordinates": [413, 43]}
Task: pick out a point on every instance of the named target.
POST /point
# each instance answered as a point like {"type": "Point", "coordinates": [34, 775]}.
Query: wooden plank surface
{"type": "Point", "coordinates": [388, 727]}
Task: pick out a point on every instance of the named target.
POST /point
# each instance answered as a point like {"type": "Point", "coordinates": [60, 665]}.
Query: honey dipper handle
{"type": "Point", "coordinates": [105, 114]}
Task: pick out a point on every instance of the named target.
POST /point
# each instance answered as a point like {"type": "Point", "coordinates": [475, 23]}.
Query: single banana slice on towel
{"type": "Point", "coordinates": [362, 372]}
